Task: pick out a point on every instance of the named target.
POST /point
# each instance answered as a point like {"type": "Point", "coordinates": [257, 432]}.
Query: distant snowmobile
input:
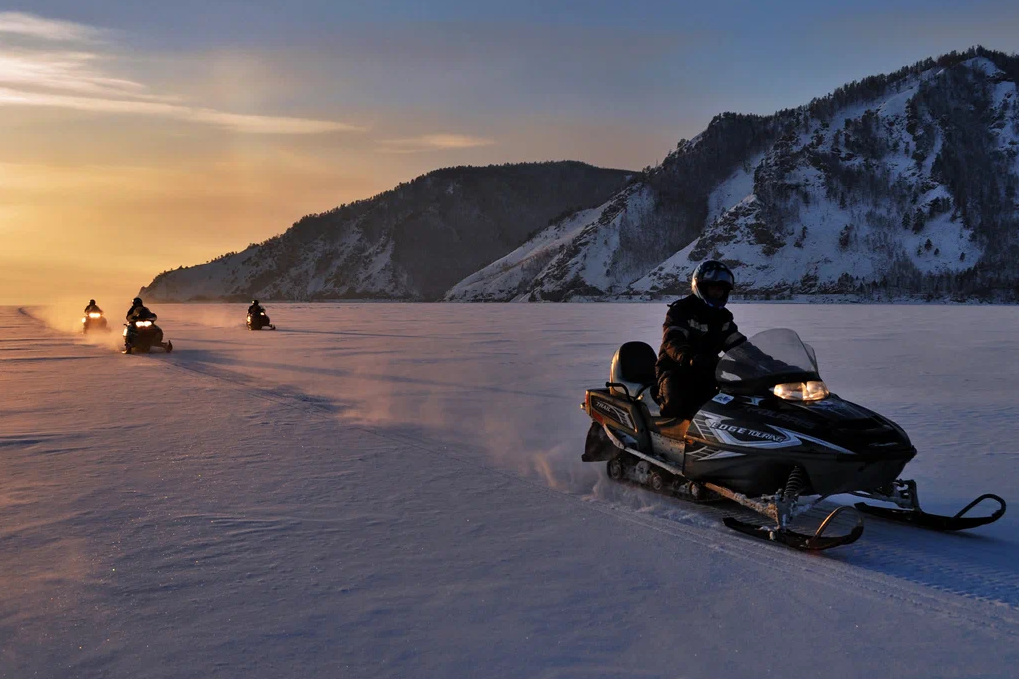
{"type": "Point", "coordinates": [773, 439]}
{"type": "Point", "coordinates": [258, 321]}
{"type": "Point", "coordinates": [142, 334]}
{"type": "Point", "coordinates": [93, 321]}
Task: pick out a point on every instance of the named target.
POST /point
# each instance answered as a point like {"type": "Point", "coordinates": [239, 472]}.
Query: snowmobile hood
{"type": "Point", "coordinates": [833, 424]}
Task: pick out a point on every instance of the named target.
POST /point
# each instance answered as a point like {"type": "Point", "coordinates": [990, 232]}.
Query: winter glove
{"type": "Point", "coordinates": [704, 364]}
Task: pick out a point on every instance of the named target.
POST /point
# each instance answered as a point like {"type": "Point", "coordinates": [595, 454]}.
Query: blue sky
{"type": "Point", "coordinates": [672, 62]}
{"type": "Point", "coordinates": [480, 67]}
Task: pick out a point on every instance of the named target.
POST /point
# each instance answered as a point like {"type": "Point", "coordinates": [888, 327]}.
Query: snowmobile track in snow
{"type": "Point", "coordinates": [281, 395]}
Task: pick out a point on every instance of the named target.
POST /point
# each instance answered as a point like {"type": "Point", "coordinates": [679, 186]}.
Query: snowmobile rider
{"type": "Point", "coordinates": [696, 329]}
{"type": "Point", "coordinates": [138, 311]}
{"type": "Point", "coordinates": [255, 308]}
{"type": "Point", "coordinates": [92, 308]}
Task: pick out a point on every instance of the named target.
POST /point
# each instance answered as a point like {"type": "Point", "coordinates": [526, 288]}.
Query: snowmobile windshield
{"type": "Point", "coordinates": [766, 359]}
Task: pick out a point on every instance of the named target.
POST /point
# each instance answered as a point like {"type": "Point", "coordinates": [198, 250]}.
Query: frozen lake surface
{"type": "Point", "coordinates": [391, 490]}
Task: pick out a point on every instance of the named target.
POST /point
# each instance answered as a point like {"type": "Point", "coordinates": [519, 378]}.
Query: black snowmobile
{"type": "Point", "coordinates": [143, 334]}
{"type": "Point", "coordinates": [258, 321]}
{"type": "Point", "coordinates": [92, 321]}
{"type": "Point", "coordinates": [773, 439]}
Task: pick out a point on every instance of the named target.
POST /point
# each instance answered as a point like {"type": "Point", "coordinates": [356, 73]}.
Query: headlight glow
{"type": "Point", "coordinates": [125, 332]}
{"type": "Point", "coordinates": [801, 391]}
{"type": "Point", "coordinates": [143, 324]}
{"type": "Point", "coordinates": [95, 315]}
{"type": "Point", "coordinates": [82, 319]}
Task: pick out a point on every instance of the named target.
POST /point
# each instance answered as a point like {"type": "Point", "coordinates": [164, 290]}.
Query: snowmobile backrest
{"type": "Point", "coordinates": [633, 365]}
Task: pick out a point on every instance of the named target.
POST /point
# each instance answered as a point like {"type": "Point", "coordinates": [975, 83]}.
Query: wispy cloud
{"type": "Point", "coordinates": [254, 124]}
{"type": "Point", "coordinates": [433, 142]}
{"type": "Point", "coordinates": [31, 26]}
{"type": "Point", "coordinates": [64, 71]}
{"type": "Point", "coordinates": [78, 80]}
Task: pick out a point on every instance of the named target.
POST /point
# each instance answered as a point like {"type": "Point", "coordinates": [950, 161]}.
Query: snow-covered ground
{"type": "Point", "coordinates": [388, 490]}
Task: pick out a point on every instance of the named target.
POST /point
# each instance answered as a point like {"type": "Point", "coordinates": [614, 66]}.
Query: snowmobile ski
{"type": "Point", "coordinates": [807, 543]}
{"type": "Point", "coordinates": [903, 493]}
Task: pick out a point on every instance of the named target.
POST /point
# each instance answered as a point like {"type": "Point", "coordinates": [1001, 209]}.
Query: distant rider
{"type": "Point", "coordinates": [138, 311]}
{"type": "Point", "coordinates": [255, 308]}
{"type": "Point", "coordinates": [696, 329]}
{"type": "Point", "coordinates": [92, 308]}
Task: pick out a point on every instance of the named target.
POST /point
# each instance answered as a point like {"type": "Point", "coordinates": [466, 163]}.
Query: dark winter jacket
{"type": "Point", "coordinates": [140, 313]}
{"type": "Point", "coordinates": [93, 308]}
{"type": "Point", "coordinates": [692, 337]}
{"type": "Point", "coordinates": [255, 309]}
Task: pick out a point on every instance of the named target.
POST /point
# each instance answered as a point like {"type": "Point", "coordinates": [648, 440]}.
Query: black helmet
{"type": "Point", "coordinates": [254, 301]}
{"type": "Point", "coordinates": [91, 301]}
{"type": "Point", "coordinates": [712, 282]}
{"type": "Point", "coordinates": [137, 301]}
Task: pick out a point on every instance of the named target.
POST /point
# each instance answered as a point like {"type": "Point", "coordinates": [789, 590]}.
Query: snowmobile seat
{"type": "Point", "coordinates": [633, 365]}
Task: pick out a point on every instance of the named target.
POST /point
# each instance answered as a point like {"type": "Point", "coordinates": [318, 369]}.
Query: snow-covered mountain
{"type": "Point", "coordinates": [412, 242]}
{"type": "Point", "coordinates": [901, 184]}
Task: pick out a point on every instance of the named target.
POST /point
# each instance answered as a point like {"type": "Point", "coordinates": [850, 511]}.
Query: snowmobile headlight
{"type": "Point", "coordinates": [143, 324]}
{"type": "Point", "coordinates": [125, 332]}
{"type": "Point", "coordinates": [83, 319]}
{"type": "Point", "coordinates": [801, 391]}
{"type": "Point", "coordinates": [94, 315]}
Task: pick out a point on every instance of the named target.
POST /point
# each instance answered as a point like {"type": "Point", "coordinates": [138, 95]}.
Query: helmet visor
{"type": "Point", "coordinates": [715, 292]}
{"type": "Point", "coordinates": [718, 275]}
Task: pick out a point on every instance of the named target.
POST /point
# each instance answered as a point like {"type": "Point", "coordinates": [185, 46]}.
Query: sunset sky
{"type": "Point", "coordinates": [138, 136]}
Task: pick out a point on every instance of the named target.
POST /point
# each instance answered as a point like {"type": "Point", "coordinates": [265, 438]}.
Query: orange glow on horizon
{"type": "Point", "coordinates": [117, 164]}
